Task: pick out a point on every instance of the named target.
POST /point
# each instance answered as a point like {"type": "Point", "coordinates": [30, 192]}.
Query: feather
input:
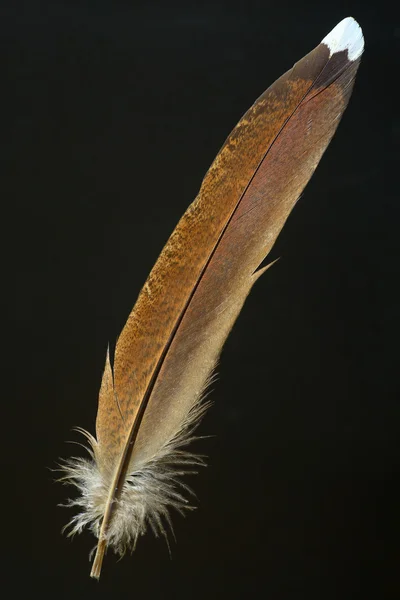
{"type": "Point", "coordinates": [151, 399]}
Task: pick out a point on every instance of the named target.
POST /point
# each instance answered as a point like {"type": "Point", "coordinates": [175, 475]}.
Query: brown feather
{"type": "Point", "coordinates": [188, 305]}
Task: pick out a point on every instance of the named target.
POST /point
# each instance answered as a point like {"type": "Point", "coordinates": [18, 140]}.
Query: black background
{"type": "Point", "coordinates": [117, 111]}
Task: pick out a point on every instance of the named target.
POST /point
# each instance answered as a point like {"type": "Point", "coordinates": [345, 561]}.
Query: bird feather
{"type": "Point", "coordinates": [150, 400]}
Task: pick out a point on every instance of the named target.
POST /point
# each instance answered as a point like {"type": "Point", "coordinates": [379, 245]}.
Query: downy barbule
{"type": "Point", "coordinates": [151, 398]}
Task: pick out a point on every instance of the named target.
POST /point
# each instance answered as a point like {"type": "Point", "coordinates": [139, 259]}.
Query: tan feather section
{"type": "Point", "coordinates": [169, 346]}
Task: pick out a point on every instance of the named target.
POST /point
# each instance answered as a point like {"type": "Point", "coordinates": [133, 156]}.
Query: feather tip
{"type": "Point", "coordinates": [347, 35]}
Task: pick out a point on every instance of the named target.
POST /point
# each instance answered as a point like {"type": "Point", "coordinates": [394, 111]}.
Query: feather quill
{"type": "Point", "coordinates": [151, 399]}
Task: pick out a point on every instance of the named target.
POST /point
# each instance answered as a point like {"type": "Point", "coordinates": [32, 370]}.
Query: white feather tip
{"type": "Point", "coordinates": [347, 35]}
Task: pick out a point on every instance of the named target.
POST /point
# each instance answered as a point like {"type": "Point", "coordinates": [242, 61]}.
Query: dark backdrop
{"type": "Point", "coordinates": [117, 111]}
